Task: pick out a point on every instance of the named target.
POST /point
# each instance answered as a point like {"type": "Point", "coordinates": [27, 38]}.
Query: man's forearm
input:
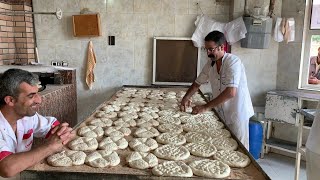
{"type": "Point", "coordinates": [227, 94]}
{"type": "Point", "coordinates": [193, 88]}
{"type": "Point", "coordinates": [15, 163]}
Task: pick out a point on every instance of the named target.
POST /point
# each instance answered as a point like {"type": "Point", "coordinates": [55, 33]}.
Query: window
{"type": "Point", "coordinates": [310, 54]}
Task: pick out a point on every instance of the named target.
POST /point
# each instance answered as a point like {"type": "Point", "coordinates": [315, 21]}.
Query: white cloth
{"type": "Point", "coordinates": [239, 130]}
{"type": "Point", "coordinates": [277, 35]}
{"type": "Point", "coordinates": [290, 30]}
{"type": "Point", "coordinates": [27, 127]}
{"type": "Point", "coordinates": [232, 74]}
{"type": "Point", "coordinates": [313, 165]}
{"type": "Point", "coordinates": [313, 142]}
{"type": "Point", "coordinates": [204, 25]}
{"type": "Point", "coordinates": [235, 30]}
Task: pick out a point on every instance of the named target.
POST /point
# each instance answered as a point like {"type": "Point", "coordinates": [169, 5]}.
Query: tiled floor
{"type": "Point", "coordinates": [279, 167]}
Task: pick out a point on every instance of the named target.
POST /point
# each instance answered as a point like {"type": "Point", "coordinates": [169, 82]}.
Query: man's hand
{"type": "Point", "coordinates": [60, 135]}
{"type": "Point", "coordinates": [199, 109]}
{"type": "Point", "coordinates": [313, 80]}
{"type": "Point", "coordinates": [185, 102]}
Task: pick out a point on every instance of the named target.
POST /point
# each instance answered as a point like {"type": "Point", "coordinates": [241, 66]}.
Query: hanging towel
{"type": "Point", "coordinates": [290, 30]}
{"type": "Point", "coordinates": [91, 64]}
{"type": "Point", "coordinates": [278, 35]}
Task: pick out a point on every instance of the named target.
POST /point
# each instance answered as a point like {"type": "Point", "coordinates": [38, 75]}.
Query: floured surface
{"type": "Point", "coordinates": [249, 172]}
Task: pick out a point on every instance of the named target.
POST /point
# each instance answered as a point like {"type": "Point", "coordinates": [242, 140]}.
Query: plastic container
{"type": "Point", "coordinates": [255, 137]}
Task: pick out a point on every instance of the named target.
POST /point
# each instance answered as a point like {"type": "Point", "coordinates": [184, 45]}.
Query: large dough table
{"type": "Point", "coordinates": [122, 171]}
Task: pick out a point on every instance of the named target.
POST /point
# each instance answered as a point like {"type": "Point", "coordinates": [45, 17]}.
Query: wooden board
{"type": "Point", "coordinates": [44, 171]}
{"type": "Point", "coordinates": [86, 25]}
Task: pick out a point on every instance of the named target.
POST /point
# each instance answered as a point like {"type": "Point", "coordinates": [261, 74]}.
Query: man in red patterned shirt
{"type": "Point", "coordinates": [19, 122]}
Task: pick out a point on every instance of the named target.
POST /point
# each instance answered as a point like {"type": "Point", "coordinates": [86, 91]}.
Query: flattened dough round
{"type": "Point", "coordinates": [172, 168]}
{"type": "Point", "coordinates": [210, 168]}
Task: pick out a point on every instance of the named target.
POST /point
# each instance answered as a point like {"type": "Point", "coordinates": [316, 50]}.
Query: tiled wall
{"type": "Point", "coordinates": [16, 33]}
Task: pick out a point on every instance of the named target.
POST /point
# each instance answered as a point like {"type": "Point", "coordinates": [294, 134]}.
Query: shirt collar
{"type": "Point", "coordinates": [6, 127]}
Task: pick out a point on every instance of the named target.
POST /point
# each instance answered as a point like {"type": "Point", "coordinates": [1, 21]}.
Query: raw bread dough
{"type": "Point", "coordinates": [201, 149]}
{"type": "Point", "coordinates": [172, 152]}
{"type": "Point", "coordinates": [200, 126]}
{"type": "Point", "coordinates": [169, 112]}
{"type": "Point", "coordinates": [170, 127]}
{"type": "Point", "coordinates": [142, 160]}
{"type": "Point", "coordinates": [168, 119]}
{"type": "Point", "coordinates": [149, 109]}
{"type": "Point", "coordinates": [146, 132]}
{"type": "Point", "coordinates": [142, 122]}
{"type": "Point", "coordinates": [113, 143]}
{"type": "Point", "coordinates": [67, 158]}
{"type": "Point", "coordinates": [130, 108]}
{"type": "Point", "coordinates": [232, 158]}
{"type": "Point", "coordinates": [197, 137]}
{"type": "Point", "coordinates": [115, 131]}
{"type": "Point", "coordinates": [131, 114]}
{"type": "Point", "coordinates": [172, 168]}
{"type": "Point", "coordinates": [210, 168]}
{"type": "Point", "coordinates": [125, 122]}
{"type": "Point", "coordinates": [102, 114]}
{"type": "Point", "coordinates": [224, 143]}
{"type": "Point", "coordinates": [110, 108]}
{"type": "Point", "coordinates": [83, 144]}
{"type": "Point", "coordinates": [217, 133]}
{"type": "Point", "coordinates": [90, 131]}
{"type": "Point", "coordinates": [148, 114]}
{"type": "Point", "coordinates": [143, 144]}
{"type": "Point", "coordinates": [102, 122]}
{"type": "Point", "coordinates": [171, 138]}
{"type": "Point", "coordinates": [187, 118]}
{"type": "Point", "coordinates": [102, 158]}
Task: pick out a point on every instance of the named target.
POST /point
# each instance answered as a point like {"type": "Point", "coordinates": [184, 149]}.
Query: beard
{"type": "Point", "coordinates": [212, 57]}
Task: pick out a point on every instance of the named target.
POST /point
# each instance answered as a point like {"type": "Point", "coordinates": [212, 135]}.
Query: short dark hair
{"type": "Point", "coordinates": [10, 82]}
{"type": "Point", "coordinates": [217, 37]}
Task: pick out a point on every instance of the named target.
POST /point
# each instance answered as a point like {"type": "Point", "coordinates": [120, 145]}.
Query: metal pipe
{"type": "Point", "coordinates": [58, 13]}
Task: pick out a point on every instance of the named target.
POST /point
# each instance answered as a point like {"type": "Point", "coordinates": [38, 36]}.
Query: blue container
{"type": "Point", "coordinates": [255, 137]}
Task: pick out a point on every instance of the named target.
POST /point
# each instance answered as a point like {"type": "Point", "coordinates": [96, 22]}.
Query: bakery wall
{"type": "Point", "coordinates": [134, 23]}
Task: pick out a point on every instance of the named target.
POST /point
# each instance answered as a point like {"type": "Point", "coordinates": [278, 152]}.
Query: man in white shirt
{"type": "Point", "coordinates": [227, 77]}
{"type": "Point", "coordinates": [313, 148]}
{"type": "Point", "coordinates": [19, 122]}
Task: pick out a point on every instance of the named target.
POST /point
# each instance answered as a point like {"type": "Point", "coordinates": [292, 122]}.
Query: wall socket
{"type": "Point", "coordinates": [59, 63]}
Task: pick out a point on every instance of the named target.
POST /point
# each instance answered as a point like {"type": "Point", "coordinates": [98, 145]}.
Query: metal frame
{"type": "Point", "coordinates": [299, 123]}
{"type": "Point", "coordinates": [154, 61]}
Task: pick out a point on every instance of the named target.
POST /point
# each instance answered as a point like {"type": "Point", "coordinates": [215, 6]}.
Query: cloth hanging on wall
{"type": "Point", "coordinates": [278, 35]}
{"type": "Point", "coordinates": [234, 30]}
{"type": "Point", "coordinates": [284, 30]}
{"type": "Point", "coordinates": [91, 64]}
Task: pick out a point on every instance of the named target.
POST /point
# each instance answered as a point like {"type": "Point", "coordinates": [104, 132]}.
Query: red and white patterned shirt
{"type": "Point", "coordinates": [27, 128]}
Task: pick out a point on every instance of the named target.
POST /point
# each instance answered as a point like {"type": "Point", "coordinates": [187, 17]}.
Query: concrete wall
{"type": "Point", "coordinates": [289, 64]}
{"type": "Point", "coordinates": [133, 23]}
{"type": "Point", "coordinates": [260, 64]}
{"type": "Point", "coordinates": [290, 54]}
